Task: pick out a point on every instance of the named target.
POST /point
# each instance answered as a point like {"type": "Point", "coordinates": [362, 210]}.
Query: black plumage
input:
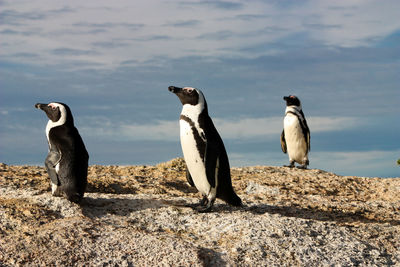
{"type": "Point", "coordinates": [67, 159]}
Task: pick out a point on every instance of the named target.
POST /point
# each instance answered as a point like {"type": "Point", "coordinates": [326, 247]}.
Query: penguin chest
{"type": "Point", "coordinates": [193, 156]}
{"type": "Point", "coordinates": [295, 141]}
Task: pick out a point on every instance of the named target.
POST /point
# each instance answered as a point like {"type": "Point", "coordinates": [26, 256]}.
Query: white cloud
{"type": "Point", "coordinates": [248, 127]}
{"type": "Point", "coordinates": [272, 126]}
{"type": "Point", "coordinates": [131, 30]}
{"type": "Point", "coordinates": [375, 163]}
{"type": "Point", "coordinates": [160, 130]}
{"type": "Point", "coordinates": [243, 128]}
{"type": "Point", "coordinates": [103, 128]}
{"type": "Point", "coordinates": [328, 124]}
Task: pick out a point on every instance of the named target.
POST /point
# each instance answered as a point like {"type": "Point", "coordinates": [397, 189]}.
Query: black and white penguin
{"type": "Point", "coordinates": [295, 137]}
{"type": "Point", "coordinates": [203, 150]}
{"type": "Point", "coordinates": [67, 160]}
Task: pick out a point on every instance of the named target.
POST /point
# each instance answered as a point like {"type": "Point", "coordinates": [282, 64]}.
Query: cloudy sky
{"type": "Point", "coordinates": [112, 62]}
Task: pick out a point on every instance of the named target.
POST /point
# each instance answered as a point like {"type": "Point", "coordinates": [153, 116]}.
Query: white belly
{"type": "Point", "coordinates": [194, 163]}
{"type": "Point", "coordinates": [295, 142]}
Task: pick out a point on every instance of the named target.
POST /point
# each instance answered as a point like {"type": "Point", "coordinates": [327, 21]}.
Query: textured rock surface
{"type": "Point", "coordinates": [139, 215]}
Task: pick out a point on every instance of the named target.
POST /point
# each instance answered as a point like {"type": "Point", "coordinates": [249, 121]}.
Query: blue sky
{"type": "Point", "coordinates": [112, 62]}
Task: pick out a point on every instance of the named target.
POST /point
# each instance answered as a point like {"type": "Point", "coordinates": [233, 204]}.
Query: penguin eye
{"type": "Point", "coordinates": [189, 90]}
{"type": "Point", "coordinates": [53, 107]}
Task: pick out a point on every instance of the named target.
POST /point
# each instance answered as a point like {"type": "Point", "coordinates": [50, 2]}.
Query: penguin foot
{"type": "Point", "coordinates": [199, 206]}
{"type": "Point", "coordinates": [302, 167]}
{"type": "Point", "coordinates": [206, 208]}
{"type": "Point", "coordinates": [205, 205]}
{"type": "Point", "coordinates": [289, 166]}
{"type": "Point", "coordinates": [203, 201]}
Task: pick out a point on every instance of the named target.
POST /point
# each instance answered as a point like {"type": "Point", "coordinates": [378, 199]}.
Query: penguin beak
{"type": "Point", "coordinates": [174, 89]}
{"type": "Point", "coordinates": [286, 98]}
{"type": "Point", "coordinates": [40, 106]}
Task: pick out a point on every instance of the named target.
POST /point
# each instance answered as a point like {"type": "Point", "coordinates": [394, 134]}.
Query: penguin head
{"type": "Point", "coordinates": [188, 95]}
{"type": "Point", "coordinates": [57, 112]}
{"type": "Point", "coordinates": [292, 100]}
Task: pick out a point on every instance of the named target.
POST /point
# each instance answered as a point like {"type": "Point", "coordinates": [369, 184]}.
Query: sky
{"type": "Point", "coordinates": [112, 63]}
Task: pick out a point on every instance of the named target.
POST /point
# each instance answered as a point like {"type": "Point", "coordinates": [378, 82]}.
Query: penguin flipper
{"type": "Point", "coordinates": [305, 129]}
{"type": "Point", "coordinates": [211, 157]}
{"type": "Point", "coordinates": [189, 177]}
{"type": "Point", "coordinates": [283, 142]}
{"type": "Point", "coordinates": [52, 159]}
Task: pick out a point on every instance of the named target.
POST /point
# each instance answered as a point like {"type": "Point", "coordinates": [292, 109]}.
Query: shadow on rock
{"type": "Point", "coordinates": [180, 186]}
{"type": "Point", "coordinates": [110, 188]}
{"type": "Point", "coordinates": [99, 207]}
{"type": "Point", "coordinates": [210, 257]}
{"type": "Point", "coordinates": [216, 208]}
{"type": "Point", "coordinates": [339, 217]}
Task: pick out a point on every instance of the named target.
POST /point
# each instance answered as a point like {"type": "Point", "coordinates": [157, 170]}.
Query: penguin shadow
{"type": "Point", "coordinates": [222, 207]}
{"type": "Point", "coordinates": [110, 188]}
{"type": "Point", "coordinates": [99, 207]}
{"type": "Point", "coordinates": [339, 217]}
{"type": "Point", "coordinates": [181, 186]}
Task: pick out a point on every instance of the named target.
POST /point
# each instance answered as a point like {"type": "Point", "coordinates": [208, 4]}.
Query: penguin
{"type": "Point", "coordinates": [67, 159]}
{"type": "Point", "coordinates": [203, 150]}
{"type": "Point", "coordinates": [295, 137]}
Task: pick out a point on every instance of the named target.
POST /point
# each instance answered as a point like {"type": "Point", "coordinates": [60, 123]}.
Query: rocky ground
{"type": "Point", "coordinates": [139, 216]}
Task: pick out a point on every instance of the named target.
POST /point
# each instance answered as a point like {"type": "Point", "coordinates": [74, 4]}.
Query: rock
{"type": "Point", "coordinates": [139, 215]}
{"type": "Point", "coordinates": [254, 188]}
